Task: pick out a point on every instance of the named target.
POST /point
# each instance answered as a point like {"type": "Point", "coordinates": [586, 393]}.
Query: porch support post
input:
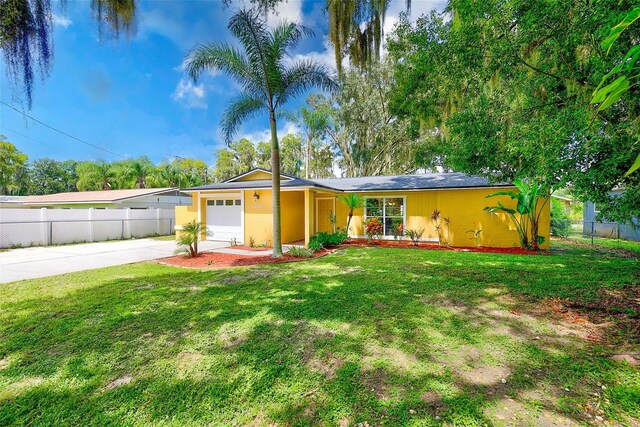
{"type": "Point", "coordinates": [309, 215]}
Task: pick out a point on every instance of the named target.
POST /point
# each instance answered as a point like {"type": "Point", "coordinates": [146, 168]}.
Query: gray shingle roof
{"type": "Point", "coordinates": [429, 181]}
{"type": "Point", "coordinates": [409, 182]}
{"type": "Point", "coordinates": [262, 183]}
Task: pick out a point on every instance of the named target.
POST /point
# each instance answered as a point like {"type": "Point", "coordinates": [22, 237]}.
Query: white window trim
{"type": "Point", "coordinates": [384, 208]}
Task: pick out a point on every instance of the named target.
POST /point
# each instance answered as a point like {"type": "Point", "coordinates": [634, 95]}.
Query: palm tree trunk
{"type": "Point", "coordinates": [308, 156]}
{"type": "Point", "coordinates": [275, 180]}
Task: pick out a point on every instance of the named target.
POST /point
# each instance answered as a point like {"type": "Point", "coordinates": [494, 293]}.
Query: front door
{"type": "Point", "coordinates": [324, 210]}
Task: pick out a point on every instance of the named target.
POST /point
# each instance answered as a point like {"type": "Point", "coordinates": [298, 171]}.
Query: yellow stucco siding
{"type": "Point", "coordinates": [187, 213]}
{"type": "Point", "coordinates": [258, 218]}
{"type": "Point", "coordinates": [258, 224]}
{"type": "Point", "coordinates": [465, 208]}
{"type": "Point", "coordinates": [255, 176]}
{"type": "Point", "coordinates": [292, 203]}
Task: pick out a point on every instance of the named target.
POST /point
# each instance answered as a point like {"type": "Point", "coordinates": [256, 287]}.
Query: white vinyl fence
{"type": "Point", "coordinates": [42, 227]}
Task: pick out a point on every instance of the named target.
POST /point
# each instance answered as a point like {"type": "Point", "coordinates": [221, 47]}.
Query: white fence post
{"type": "Point", "coordinates": [90, 219]}
{"type": "Point", "coordinates": [127, 223]}
{"type": "Point", "coordinates": [158, 222]}
{"type": "Point", "coordinates": [44, 227]}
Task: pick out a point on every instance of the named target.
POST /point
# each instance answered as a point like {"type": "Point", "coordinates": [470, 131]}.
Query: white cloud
{"type": "Point", "coordinates": [61, 21]}
{"type": "Point", "coordinates": [265, 134]}
{"type": "Point", "coordinates": [290, 10]}
{"type": "Point", "coordinates": [327, 57]}
{"type": "Point", "coordinates": [418, 8]}
{"type": "Point", "coordinates": [183, 67]}
{"type": "Point", "coordinates": [190, 95]}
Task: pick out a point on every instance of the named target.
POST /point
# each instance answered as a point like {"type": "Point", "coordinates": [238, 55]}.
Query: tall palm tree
{"type": "Point", "coordinates": [269, 77]}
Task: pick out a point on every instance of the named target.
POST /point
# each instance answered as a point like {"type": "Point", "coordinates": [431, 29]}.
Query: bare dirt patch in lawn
{"type": "Point", "coordinates": [327, 365]}
{"type": "Point", "coordinates": [614, 314]}
{"type": "Point", "coordinates": [119, 382]}
{"type": "Point", "coordinates": [394, 357]}
{"type": "Point", "coordinates": [188, 362]}
{"type": "Point", "coordinates": [375, 382]}
{"type": "Point", "coordinates": [511, 412]}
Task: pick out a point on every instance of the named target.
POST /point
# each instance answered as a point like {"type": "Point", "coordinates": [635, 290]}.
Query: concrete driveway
{"type": "Point", "coordinates": [29, 263]}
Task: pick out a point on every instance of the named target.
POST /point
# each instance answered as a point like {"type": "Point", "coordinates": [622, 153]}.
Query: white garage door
{"type": "Point", "coordinates": [224, 219]}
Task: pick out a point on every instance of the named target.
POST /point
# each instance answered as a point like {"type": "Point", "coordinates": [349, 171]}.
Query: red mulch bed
{"type": "Point", "coordinates": [218, 260]}
{"type": "Point", "coordinates": [249, 248]}
{"type": "Point", "coordinates": [409, 245]}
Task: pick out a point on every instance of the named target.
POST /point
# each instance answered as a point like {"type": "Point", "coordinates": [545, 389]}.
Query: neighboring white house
{"type": "Point", "coordinates": [144, 198]}
{"type": "Point", "coordinates": [11, 201]}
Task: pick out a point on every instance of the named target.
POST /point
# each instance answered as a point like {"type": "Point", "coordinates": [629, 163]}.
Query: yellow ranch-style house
{"type": "Point", "coordinates": [240, 208]}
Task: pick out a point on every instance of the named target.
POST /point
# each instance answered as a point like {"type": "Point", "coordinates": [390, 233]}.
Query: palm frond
{"type": "Point", "coordinates": [220, 56]}
{"type": "Point", "coordinates": [241, 108]}
{"type": "Point", "coordinates": [302, 76]}
{"type": "Point", "coordinates": [285, 37]}
{"type": "Point", "coordinates": [250, 28]}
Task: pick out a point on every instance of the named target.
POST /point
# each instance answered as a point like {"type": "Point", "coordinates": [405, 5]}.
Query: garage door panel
{"type": "Point", "coordinates": [224, 219]}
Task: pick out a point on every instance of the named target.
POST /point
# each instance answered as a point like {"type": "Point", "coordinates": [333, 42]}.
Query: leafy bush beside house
{"type": "Point", "coordinates": [560, 221]}
{"type": "Point", "coordinates": [325, 240]}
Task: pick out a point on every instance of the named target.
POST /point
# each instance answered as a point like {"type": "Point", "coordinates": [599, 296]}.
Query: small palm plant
{"type": "Point", "coordinates": [188, 238]}
{"type": "Point", "coordinates": [435, 217]}
{"type": "Point", "coordinates": [269, 77]}
{"type": "Point", "coordinates": [526, 215]}
{"type": "Point", "coordinates": [415, 235]}
{"type": "Point", "coordinates": [353, 202]}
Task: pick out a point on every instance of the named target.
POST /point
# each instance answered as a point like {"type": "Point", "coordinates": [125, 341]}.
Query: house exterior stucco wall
{"type": "Point", "coordinates": [465, 208]}
{"type": "Point", "coordinates": [255, 176]}
{"type": "Point", "coordinates": [258, 218]}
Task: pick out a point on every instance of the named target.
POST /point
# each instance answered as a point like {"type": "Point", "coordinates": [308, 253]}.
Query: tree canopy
{"type": "Point", "coordinates": [503, 90]}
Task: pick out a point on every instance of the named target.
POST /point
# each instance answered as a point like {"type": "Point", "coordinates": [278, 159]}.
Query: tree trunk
{"type": "Point", "coordinates": [275, 180]}
{"type": "Point", "coordinates": [349, 221]}
{"type": "Point", "coordinates": [308, 160]}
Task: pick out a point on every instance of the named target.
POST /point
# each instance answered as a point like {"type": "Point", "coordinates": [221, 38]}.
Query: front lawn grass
{"type": "Point", "coordinates": [366, 335]}
{"type": "Point", "coordinates": [627, 245]}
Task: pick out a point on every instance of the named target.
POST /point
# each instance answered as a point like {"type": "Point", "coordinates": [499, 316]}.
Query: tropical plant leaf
{"type": "Point", "coordinates": [599, 95]}
{"type": "Point", "coordinates": [634, 167]}
{"type": "Point", "coordinates": [615, 95]}
{"type": "Point", "coordinates": [509, 193]}
{"type": "Point", "coordinates": [615, 32]}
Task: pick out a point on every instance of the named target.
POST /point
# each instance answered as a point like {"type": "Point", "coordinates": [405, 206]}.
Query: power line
{"type": "Point", "coordinates": [62, 132]}
{"type": "Point", "coordinates": [35, 140]}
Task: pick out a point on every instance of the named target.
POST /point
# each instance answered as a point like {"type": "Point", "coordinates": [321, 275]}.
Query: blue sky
{"type": "Point", "coordinates": [133, 98]}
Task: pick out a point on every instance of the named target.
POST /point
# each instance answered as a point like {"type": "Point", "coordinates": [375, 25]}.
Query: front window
{"type": "Point", "coordinates": [388, 210]}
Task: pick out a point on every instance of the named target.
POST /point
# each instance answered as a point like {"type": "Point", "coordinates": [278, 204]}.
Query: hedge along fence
{"type": "Point", "coordinates": [43, 227]}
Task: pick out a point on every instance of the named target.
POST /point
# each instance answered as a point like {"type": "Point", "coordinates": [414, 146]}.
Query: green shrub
{"type": "Point", "coordinates": [315, 245]}
{"type": "Point", "coordinates": [330, 239]}
{"type": "Point", "coordinates": [560, 222]}
{"type": "Point", "coordinates": [298, 252]}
